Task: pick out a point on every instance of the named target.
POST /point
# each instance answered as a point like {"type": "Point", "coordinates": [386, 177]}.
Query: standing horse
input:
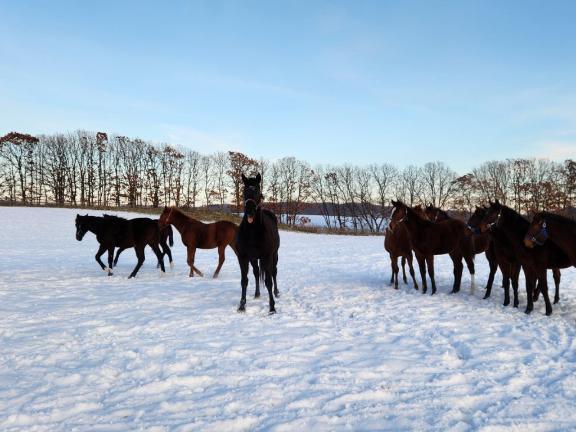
{"type": "Point", "coordinates": [478, 244]}
{"type": "Point", "coordinates": [561, 230]}
{"type": "Point", "coordinates": [534, 261]}
{"type": "Point", "coordinates": [504, 254]}
{"type": "Point", "coordinates": [397, 244]}
{"type": "Point", "coordinates": [166, 236]}
{"type": "Point", "coordinates": [257, 239]}
{"type": "Point", "coordinates": [430, 238]}
{"type": "Point", "coordinates": [196, 234]}
{"type": "Point", "coordinates": [114, 231]}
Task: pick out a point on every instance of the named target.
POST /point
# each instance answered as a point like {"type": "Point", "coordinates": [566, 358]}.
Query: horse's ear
{"type": "Point", "coordinates": [244, 179]}
{"type": "Point", "coordinates": [497, 202]}
{"type": "Point", "coordinates": [258, 178]}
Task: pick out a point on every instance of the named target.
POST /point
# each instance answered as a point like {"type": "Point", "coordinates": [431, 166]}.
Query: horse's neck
{"type": "Point", "coordinates": [513, 226]}
{"type": "Point", "coordinates": [416, 225]}
{"type": "Point", "coordinates": [94, 225]}
{"type": "Point", "coordinates": [181, 221]}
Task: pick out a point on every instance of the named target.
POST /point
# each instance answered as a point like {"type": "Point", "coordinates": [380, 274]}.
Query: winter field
{"type": "Point", "coordinates": [83, 351]}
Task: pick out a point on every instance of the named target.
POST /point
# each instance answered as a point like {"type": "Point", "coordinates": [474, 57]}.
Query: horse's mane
{"type": "Point", "coordinates": [114, 218]}
{"type": "Point", "coordinates": [558, 218]}
{"type": "Point", "coordinates": [181, 213]}
{"type": "Point", "coordinates": [519, 221]}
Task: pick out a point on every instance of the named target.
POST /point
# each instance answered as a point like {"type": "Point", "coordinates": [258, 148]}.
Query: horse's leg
{"type": "Point", "coordinates": [110, 259]}
{"type": "Point", "coordinates": [530, 284]}
{"type": "Point", "coordinates": [391, 267]}
{"type": "Point", "coordinates": [411, 267]}
{"type": "Point", "coordinates": [422, 267]}
{"type": "Point", "coordinates": [430, 267]}
{"type": "Point", "coordinates": [166, 251]}
{"type": "Point", "coordinates": [404, 270]}
{"type": "Point", "coordinates": [118, 252]}
{"type": "Point", "coordinates": [493, 264]}
{"type": "Point", "coordinates": [191, 254]}
{"type": "Point", "coordinates": [159, 255]}
{"type": "Point", "coordinates": [268, 265]}
{"type": "Point", "coordinates": [275, 273]}
{"type": "Point", "coordinates": [506, 282]}
{"type": "Point", "coordinates": [100, 252]}
{"type": "Point", "coordinates": [256, 273]}
{"type": "Point", "coordinates": [458, 267]}
{"type": "Point", "coordinates": [395, 271]}
{"type": "Point", "coordinates": [469, 258]}
{"type": "Point", "coordinates": [543, 282]}
{"type": "Point", "coordinates": [556, 275]}
{"type": "Point", "coordinates": [221, 259]}
{"type": "Point", "coordinates": [139, 249]}
{"type": "Point", "coordinates": [244, 262]}
{"type": "Point", "coordinates": [515, 275]}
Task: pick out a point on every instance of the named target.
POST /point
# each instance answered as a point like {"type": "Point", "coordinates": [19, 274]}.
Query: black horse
{"type": "Point", "coordinates": [113, 231]}
{"type": "Point", "coordinates": [257, 239]}
{"type": "Point", "coordinates": [536, 261]}
{"type": "Point", "coordinates": [166, 237]}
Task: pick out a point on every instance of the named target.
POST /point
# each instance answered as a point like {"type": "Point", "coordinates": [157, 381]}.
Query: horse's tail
{"type": "Point", "coordinates": [170, 236]}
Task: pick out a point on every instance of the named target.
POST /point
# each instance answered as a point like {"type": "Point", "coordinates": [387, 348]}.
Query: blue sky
{"type": "Point", "coordinates": [334, 82]}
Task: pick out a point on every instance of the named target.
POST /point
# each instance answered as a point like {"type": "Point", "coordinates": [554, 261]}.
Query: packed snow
{"type": "Point", "coordinates": [83, 351]}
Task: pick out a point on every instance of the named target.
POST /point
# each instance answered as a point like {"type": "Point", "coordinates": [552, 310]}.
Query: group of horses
{"type": "Point", "coordinates": [509, 241]}
{"type": "Point", "coordinates": [255, 241]}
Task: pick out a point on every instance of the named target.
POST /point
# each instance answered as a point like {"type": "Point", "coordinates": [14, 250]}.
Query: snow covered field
{"type": "Point", "coordinates": [83, 351]}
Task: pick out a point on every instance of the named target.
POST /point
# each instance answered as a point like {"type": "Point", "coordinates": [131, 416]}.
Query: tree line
{"type": "Point", "coordinates": [97, 170]}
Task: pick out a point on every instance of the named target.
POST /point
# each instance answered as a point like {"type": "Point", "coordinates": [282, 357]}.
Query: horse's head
{"type": "Point", "coordinates": [537, 233]}
{"type": "Point", "coordinates": [475, 220]}
{"type": "Point", "coordinates": [491, 217]}
{"type": "Point", "coordinates": [252, 196]}
{"type": "Point", "coordinates": [81, 227]}
{"type": "Point", "coordinates": [166, 217]}
{"type": "Point", "coordinates": [431, 212]}
{"type": "Point", "coordinates": [399, 215]}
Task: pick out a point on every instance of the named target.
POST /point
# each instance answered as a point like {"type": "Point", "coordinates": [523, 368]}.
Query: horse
{"type": "Point", "coordinates": [560, 229]}
{"type": "Point", "coordinates": [433, 238]}
{"type": "Point", "coordinates": [478, 244]}
{"type": "Point", "coordinates": [534, 261]}
{"type": "Point", "coordinates": [436, 214]}
{"type": "Point", "coordinates": [257, 239]}
{"type": "Point", "coordinates": [504, 255]}
{"type": "Point", "coordinates": [114, 231]}
{"type": "Point", "coordinates": [166, 236]}
{"type": "Point", "coordinates": [199, 235]}
{"type": "Point", "coordinates": [397, 244]}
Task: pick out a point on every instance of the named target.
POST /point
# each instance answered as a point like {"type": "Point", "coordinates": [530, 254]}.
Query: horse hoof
{"type": "Point", "coordinates": [506, 303]}
{"type": "Point", "coordinates": [257, 295]}
{"type": "Point", "coordinates": [486, 296]}
{"type": "Point", "coordinates": [556, 300]}
{"type": "Point", "coordinates": [548, 313]}
{"type": "Point", "coordinates": [242, 308]}
{"type": "Point", "coordinates": [272, 312]}
{"type": "Point", "coordinates": [528, 311]}
{"type": "Point", "coordinates": [110, 274]}
{"type": "Point", "coordinates": [277, 294]}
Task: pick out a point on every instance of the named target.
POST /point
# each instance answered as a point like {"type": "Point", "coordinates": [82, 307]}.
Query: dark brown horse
{"type": "Point", "coordinates": [199, 235]}
{"type": "Point", "coordinates": [561, 230]}
{"type": "Point", "coordinates": [258, 239]}
{"type": "Point", "coordinates": [504, 254]}
{"type": "Point", "coordinates": [397, 244]}
{"type": "Point", "coordinates": [478, 245]}
{"type": "Point", "coordinates": [534, 261]}
{"type": "Point", "coordinates": [112, 232]}
{"type": "Point", "coordinates": [433, 238]}
{"type": "Point", "coordinates": [166, 237]}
